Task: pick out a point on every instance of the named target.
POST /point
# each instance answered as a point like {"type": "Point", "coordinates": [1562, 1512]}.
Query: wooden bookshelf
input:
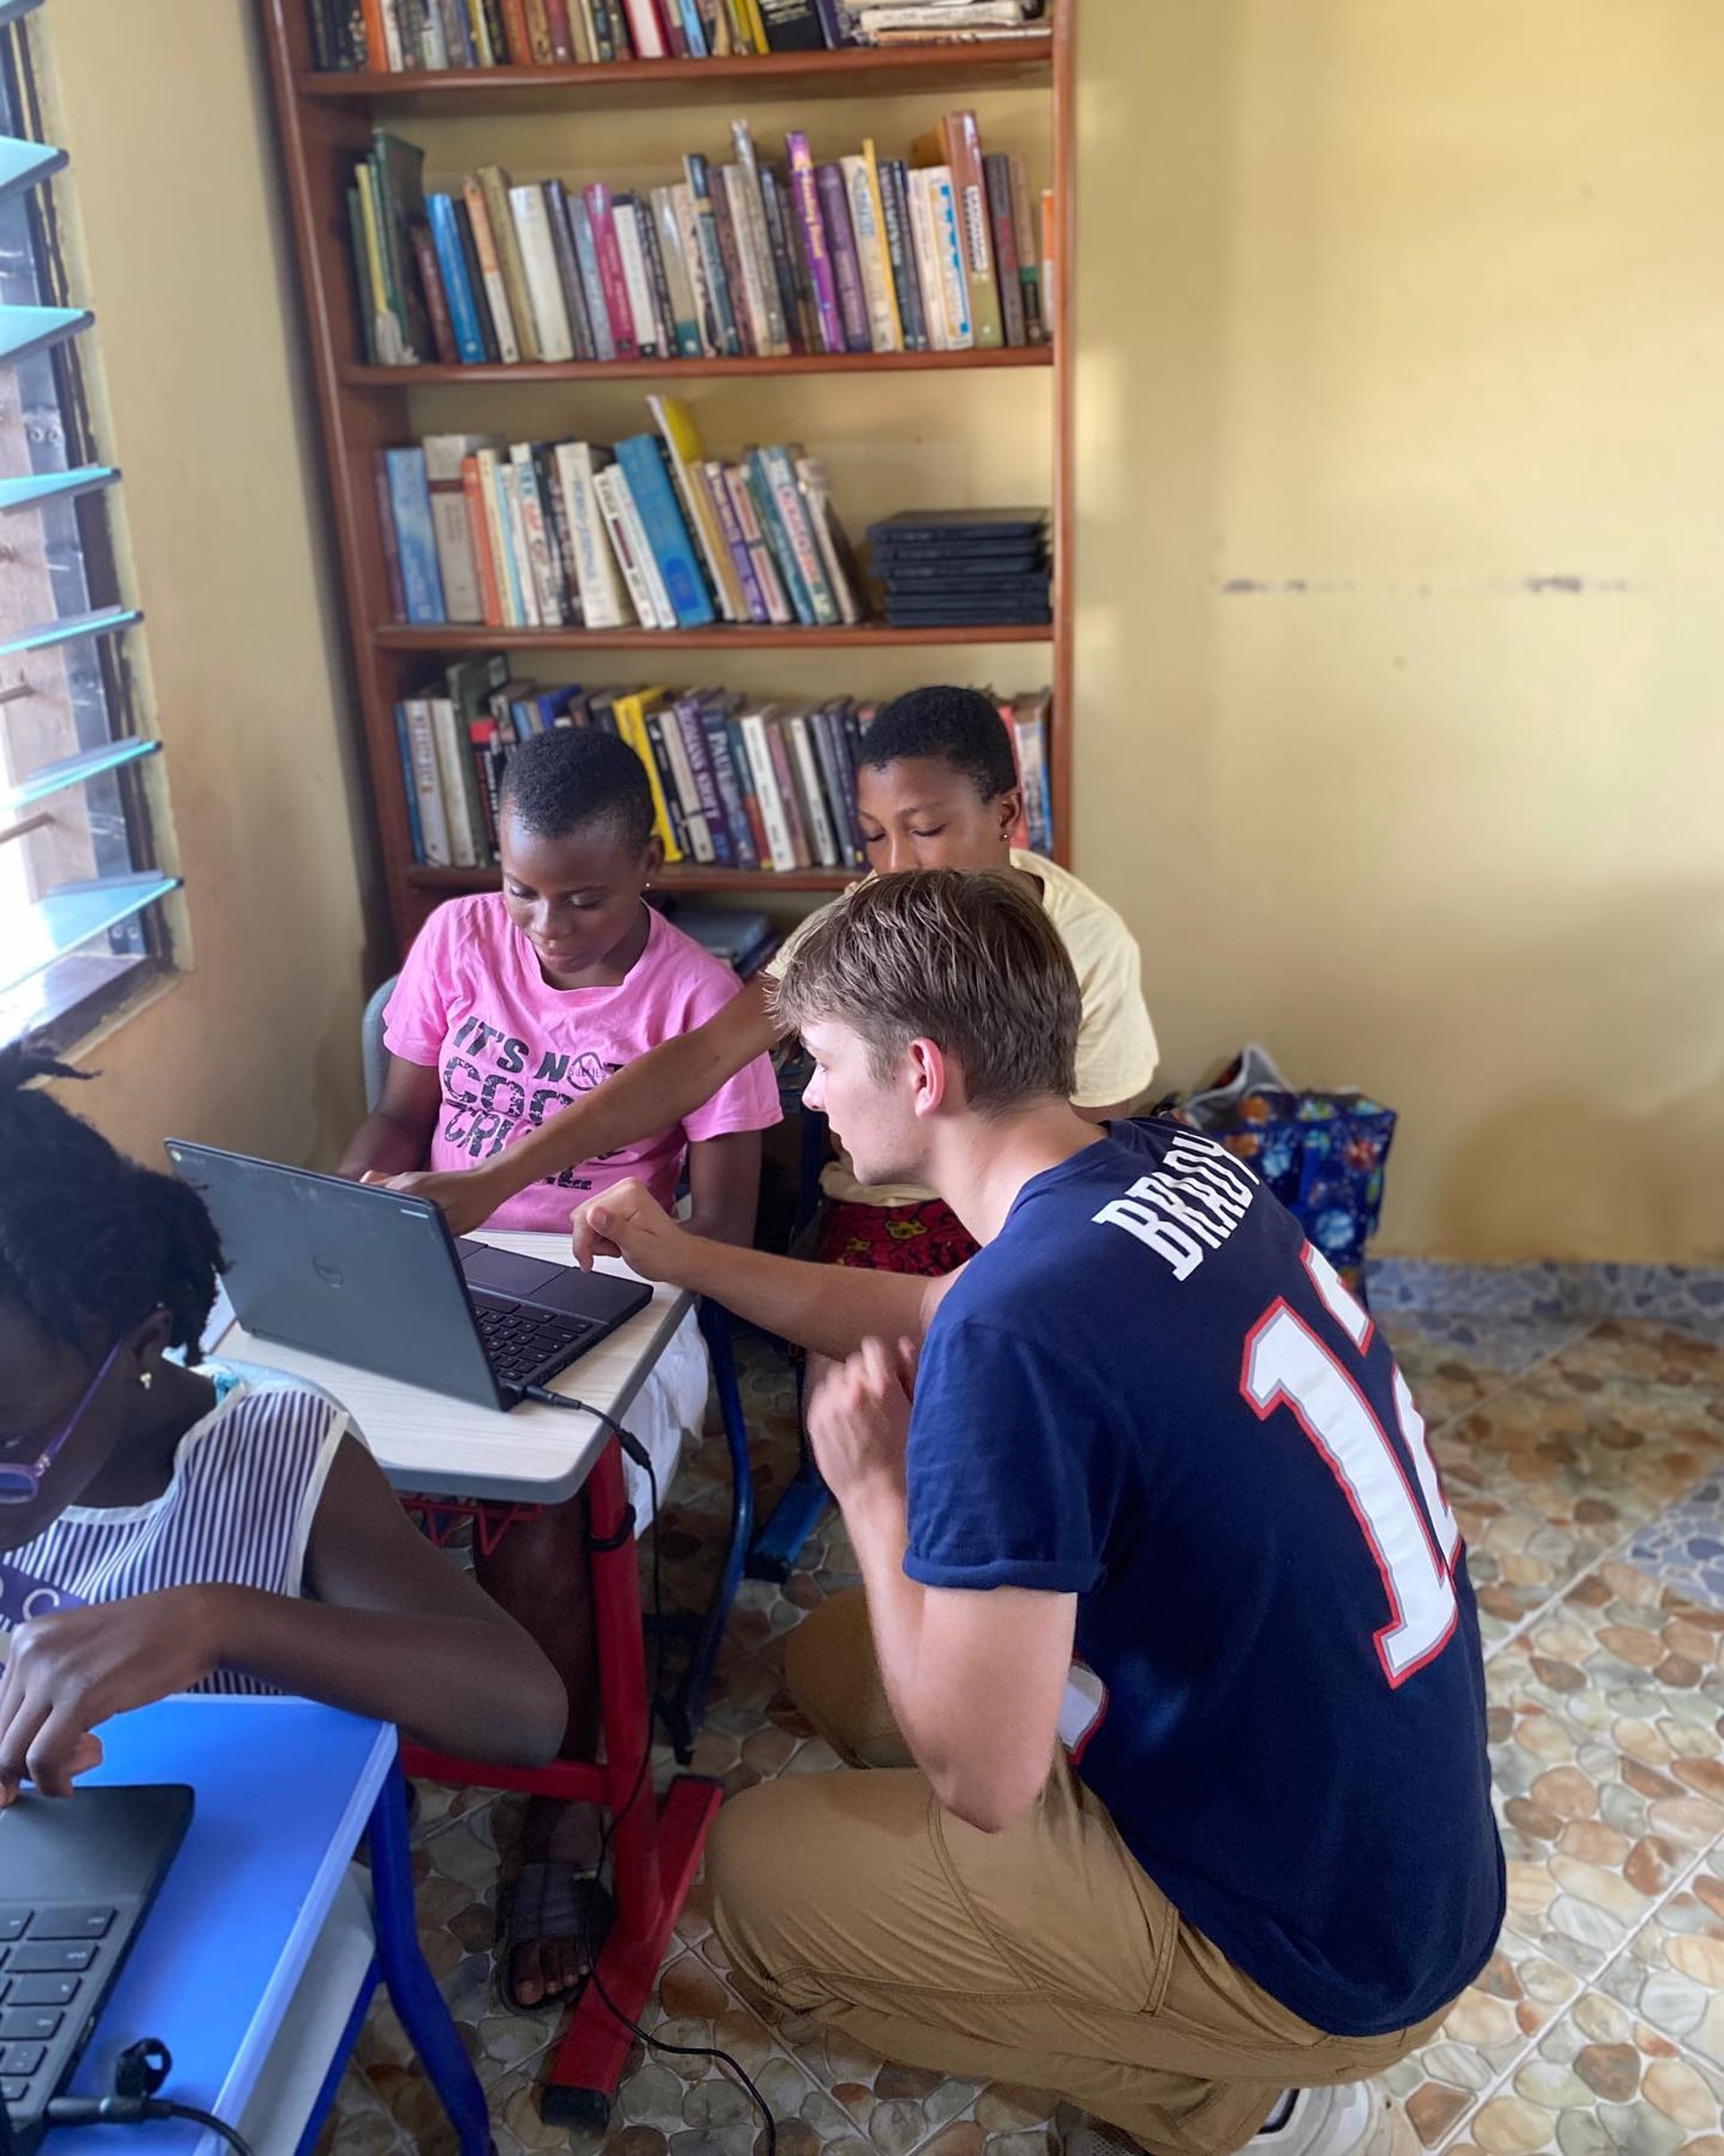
{"type": "Point", "coordinates": [324, 123]}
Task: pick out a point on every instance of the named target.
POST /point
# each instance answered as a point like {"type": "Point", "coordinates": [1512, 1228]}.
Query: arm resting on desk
{"type": "Point", "coordinates": [830, 1308]}
{"type": "Point", "coordinates": [395, 1631]}
{"type": "Point", "coordinates": [651, 1094]}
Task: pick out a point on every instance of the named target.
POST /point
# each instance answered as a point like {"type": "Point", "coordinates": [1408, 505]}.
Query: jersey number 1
{"type": "Point", "coordinates": [1412, 1534]}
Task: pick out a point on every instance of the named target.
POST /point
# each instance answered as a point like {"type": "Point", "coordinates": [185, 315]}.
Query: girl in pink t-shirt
{"type": "Point", "coordinates": [509, 1007]}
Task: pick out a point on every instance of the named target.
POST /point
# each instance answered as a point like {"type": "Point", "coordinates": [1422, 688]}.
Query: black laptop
{"type": "Point", "coordinates": [363, 1275]}
{"type": "Point", "coordinates": [76, 1880]}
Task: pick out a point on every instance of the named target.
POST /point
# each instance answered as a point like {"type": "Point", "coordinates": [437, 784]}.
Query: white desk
{"type": "Point", "coordinates": [426, 1443]}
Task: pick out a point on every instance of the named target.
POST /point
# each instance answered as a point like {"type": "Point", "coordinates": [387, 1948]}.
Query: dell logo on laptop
{"type": "Point", "coordinates": [329, 1272]}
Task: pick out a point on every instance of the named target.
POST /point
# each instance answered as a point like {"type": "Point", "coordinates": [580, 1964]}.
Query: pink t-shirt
{"type": "Point", "coordinates": [511, 1051]}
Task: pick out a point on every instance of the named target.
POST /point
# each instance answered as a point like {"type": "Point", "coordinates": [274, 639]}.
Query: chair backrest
{"type": "Point", "coordinates": [375, 1055]}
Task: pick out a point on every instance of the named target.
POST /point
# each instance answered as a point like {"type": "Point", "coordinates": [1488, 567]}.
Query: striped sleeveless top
{"type": "Point", "coordinates": [247, 1483]}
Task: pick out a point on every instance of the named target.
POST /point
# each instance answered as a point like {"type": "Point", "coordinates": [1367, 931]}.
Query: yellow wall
{"type": "Point", "coordinates": [1389, 314]}
{"type": "Point", "coordinates": [163, 108]}
{"type": "Point", "coordinates": [1392, 312]}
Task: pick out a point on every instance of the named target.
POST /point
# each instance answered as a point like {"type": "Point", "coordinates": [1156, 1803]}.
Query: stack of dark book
{"type": "Point", "coordinates": [961, 569]}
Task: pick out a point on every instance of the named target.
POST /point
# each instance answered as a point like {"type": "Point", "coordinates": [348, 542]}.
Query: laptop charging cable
{"type": "Point", "coordinates": [635, 1450]}
{"type": "Point", "coordinates": [139, 2072]}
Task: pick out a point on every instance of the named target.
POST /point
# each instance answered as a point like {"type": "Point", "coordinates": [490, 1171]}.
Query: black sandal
{"type": "Point", "coordinates": [553, 1900]}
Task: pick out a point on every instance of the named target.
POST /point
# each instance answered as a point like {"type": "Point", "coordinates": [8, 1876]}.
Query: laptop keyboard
{"type": "Point", "coordinates": [522, 1344]}
{"type": "Point", "coordinates": [54, 1962]}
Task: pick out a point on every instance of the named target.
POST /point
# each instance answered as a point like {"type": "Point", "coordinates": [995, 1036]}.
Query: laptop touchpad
{"type": "Point", "coordinates": [504, 1272]}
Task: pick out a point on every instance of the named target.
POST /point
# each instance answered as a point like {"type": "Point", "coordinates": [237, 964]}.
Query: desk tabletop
{"type": "Point", "coordinates": [283, 1790]}
{"type": "Point", "coordinates": [427, 1443]}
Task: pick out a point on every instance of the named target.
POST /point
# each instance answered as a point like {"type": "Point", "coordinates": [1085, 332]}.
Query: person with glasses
{"type": "Point", "coordinates": [167, 1528]}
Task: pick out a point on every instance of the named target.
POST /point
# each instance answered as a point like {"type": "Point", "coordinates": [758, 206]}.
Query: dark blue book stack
{"type": "Point", "coordinates": [964, 568]}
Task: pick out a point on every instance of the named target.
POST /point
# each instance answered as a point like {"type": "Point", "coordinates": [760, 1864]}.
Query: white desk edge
{"type": "Point", "coordinates": [427, 1443]}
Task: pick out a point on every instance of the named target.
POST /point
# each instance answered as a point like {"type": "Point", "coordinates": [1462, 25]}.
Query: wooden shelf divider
{"type": "Point", "coordinates": [540, 374]}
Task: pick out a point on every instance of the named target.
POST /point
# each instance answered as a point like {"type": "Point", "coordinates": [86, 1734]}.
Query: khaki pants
{"type": "Point", "coordinates": [1042, 1955]}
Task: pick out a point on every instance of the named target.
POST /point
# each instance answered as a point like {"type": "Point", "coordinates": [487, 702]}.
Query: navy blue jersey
{"type": "Point", "coordinates": [1151, 1392]}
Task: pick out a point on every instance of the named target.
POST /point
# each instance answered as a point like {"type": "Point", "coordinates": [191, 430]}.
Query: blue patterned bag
{"type": "Point", "coordinates": [1322, 1154]}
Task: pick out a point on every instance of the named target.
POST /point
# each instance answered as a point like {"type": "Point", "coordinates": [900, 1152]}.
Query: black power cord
{"type": "Point", "coordinates": [635, 1451]}
{"type": "Point", "coordinates": [139, 2071]}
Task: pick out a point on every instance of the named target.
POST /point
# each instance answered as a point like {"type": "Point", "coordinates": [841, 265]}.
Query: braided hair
{"type": "Point", "coordinates": [89, 1242]}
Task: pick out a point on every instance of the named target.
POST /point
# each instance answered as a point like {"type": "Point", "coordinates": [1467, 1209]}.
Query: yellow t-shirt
{"type": "Point", "coordinates": [1116, 1043]}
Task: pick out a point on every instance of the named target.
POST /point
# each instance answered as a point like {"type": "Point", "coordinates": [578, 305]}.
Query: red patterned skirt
{"type": "Point", "coordinates": [927, 1239]}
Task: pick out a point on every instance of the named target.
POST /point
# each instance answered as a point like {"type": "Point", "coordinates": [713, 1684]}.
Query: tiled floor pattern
{"type": "Point", "coordinates": [1587, 1464]}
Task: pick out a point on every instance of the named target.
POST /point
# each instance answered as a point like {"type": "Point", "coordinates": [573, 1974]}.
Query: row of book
{"type": "Point", "coordinates": [945, 251]}
{"type": "Point", "coordinates": [400, 36]}
{"type": "Point", "coordinates": [577, 534]}
{"type": "Point", "coordinates": [760, 788]}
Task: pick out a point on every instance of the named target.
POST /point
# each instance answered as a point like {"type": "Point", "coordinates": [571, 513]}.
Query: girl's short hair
{"type": "Point", "coordinates": [558, 782]}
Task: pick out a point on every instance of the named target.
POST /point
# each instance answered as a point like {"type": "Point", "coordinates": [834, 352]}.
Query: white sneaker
{"type": "Point", "coordinates": [1307, 2122]}
{"type": "Point", "coordinates": [1321, 2122]}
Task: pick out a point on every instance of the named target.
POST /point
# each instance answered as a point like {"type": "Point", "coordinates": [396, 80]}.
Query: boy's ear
{"type": "Point", "coordinates": [1008, 807]}
{"type": "Point", "coordinates": [655, 856]}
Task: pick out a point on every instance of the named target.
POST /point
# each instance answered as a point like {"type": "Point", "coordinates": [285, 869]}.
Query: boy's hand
{"type": "Point", "coordinates": [467, 1198]}
{"type": "Point", "coordinates": [627, 1222]}
{"type": "Point", "coordinates": [72, 1670]}
{"type": "Point", "coordinates": [858, 1420]}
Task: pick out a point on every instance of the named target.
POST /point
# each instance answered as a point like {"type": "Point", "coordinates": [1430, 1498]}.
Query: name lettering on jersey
{"type": "Point", "coordinates": [1187, 1207]}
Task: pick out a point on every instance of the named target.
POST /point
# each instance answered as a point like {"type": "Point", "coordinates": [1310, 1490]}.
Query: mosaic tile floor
{"type": "Point", "coordinates": [1586, 1462]}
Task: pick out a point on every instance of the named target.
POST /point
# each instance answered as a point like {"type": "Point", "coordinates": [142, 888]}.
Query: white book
{"type": "Point", "coordinates": [817, 498]}
{"type": "Point", "coordinates": [644, 32]}
{"type": "Point", "coordinates": [751, 228]}
{"type": "Point", "coordinates": [928, 262]}
{"type": "Point", "coordinates": [687, 234]}
{"type": "Point", "coordinates": [611, 495]}
{"type": "Point", "coordinates": [394, 51]}
{"type": "Point", "coordinates": [515, 538]}
{"type": "Point", "coordinates": [428, 786]}
{"type": "Point", "coordinates": [766, 790]}
{"type": "Point", "coordinates": [643, 302]}
{"type": "Point", "coordinates": [679, 274]}
{"type": "Point", "coordinates": [825, 841]}
{"type": "Point", "coordinates": [446, 739]}
{"type": "Point", "coordinates": [544, 286]}
{"type": "Point", "coordinates": [688, 794]}
{"type": "Point", "coordinates": [490, 272]}
{"type": "Point", "coordinates": [546, 593]}
{"type": "Point", "coordinates": [1030, 731]}
{"type": "Point", "coordinates": [604, 597]}
{"type": "Point", "coordinates": [948, 247]}
{"type": "Point", "coordinates": [871, 254]}
{"type": "Point", "coordinates": [450, 527]}
{"type": "Point", "coordinates": [643, 547]}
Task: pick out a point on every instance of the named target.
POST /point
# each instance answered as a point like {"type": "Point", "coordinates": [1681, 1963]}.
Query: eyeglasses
{"type": "Point", "coordinates": [21, 1481]}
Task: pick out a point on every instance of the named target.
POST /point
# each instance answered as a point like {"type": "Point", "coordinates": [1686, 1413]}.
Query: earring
{"type": "Point", "coordinates": [146, 1378]}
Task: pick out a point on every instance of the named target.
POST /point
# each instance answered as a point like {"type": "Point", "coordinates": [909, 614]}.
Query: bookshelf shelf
{"type": "Point", "coordinates": [448, 882]}
{"type": "Point", "coordinates": [1008, 359]}
{"type": "Point", "coordinates": [1009, 64]}
{"type": "Point", "coordinates": [866, 636]}
{"type": "Point", "coordinates": [323, 124]}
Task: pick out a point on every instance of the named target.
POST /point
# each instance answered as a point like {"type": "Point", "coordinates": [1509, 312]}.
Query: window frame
{"type": "Point", "coordinates": [84, 989]}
